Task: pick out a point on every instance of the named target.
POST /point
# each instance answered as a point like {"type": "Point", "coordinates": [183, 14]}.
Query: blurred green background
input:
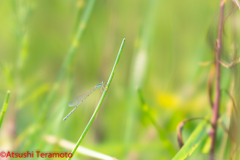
{"type": "Point", "coordinates": [165, 43]}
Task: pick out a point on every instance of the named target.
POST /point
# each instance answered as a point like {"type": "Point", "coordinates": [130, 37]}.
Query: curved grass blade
{"type": "Point", "coordinates": [77, 101]}
{"type": "Point", "coordinates": [180, 128]}
{"type": "Point", "coordinates": [193, 141]}
{"type": "Point", "coordinates": [5, 104]}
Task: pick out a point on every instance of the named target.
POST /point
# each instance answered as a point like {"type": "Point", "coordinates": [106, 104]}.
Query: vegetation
{"type": "Point", "coordinates": [175, 91]}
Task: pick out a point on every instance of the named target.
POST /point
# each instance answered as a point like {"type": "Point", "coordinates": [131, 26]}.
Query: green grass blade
{"type": "Point", "coordinates": [138, 72]}
{"type": "Point", "coordinates": [64, 68]}
{"type": "Point", "coordinates": [100, 101]}
{"type": "Point", "coordinates": [161, 132]}
{"type": "Point", "coordinates": [193, 141]}
{"type": "Point", "coordinates": [69, 57]}
{"type": "Point", "coordinates": [5, 104]}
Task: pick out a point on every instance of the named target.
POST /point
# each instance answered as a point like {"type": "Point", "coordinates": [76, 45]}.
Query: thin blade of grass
{"type": "Point", "coordinates": [233, 102]}
{"type": "Point", "coordinates": [64, 68]}
{"type": "Point", "coordinates": [161, 132]}
{"type": "Point", "coordinates": [138, 72]}
{"type": "Point", "coordinates": [69, 57]}
{"type": "Point", "coordinates": [5, 104]}
{"type": "Point", "coordinates": [193, 141]}
{"type": "Point", "coordinates": [210, 85]}
{"type": "Point", "coordinates": [100, 101]}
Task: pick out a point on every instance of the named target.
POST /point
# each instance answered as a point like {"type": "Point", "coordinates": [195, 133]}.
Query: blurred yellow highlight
{"type": "Point", "coordinates": [168, 100]}
{"type": "Point", "coordinates": [106, 88]}
{"type": "Point", "coordinates": [75, 43]}
{"type": "Point", "coordinates": [80, 4]}
{"type": "Point", "coordinates": [145, 108]}
{"type": "Point", "coordinates": [207, 146]}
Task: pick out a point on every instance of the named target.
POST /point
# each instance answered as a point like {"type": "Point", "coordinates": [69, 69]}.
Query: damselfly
{"type": "Point", "coordinates": [78, 100]}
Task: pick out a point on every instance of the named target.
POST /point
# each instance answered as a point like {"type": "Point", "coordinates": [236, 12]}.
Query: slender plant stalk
{"type": "Point", "coordinates": [5, 104]}
{"type": "Point", "coordinates": [22, 10]}
{"type": "Point", "coordinates": [100, 101]}
{"type": "Point", "coordinates": [217, 92]}
{"type": "Point", "coordinates": [138, 74]}
{"type": "Point", "coordinates": [77, 37]}
{"type": "Point", "coordinates": [161, 132]}
{"type": "Point", "coordinates": [21, 21]}
{"type": "Point", "coordinates": [64, 68]}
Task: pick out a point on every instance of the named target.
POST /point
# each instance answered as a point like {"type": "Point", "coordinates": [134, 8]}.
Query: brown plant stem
{"type": "Point", "coordinates": [180, 128]}
{"type": "Point", "coordinates": [217, 92]}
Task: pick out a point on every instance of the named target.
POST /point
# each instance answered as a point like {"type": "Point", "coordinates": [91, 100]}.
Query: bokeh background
{"type": "Point", "coordinates": [168, 55]}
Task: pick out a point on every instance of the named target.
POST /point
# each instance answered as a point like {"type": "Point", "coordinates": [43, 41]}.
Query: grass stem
{"type": "Point", "coordinates": [217, 98]}
{"type": "Point", "coordinates": [161, 132]}
{"type": "Point", "coordinates": [78, 35]}
{"type": "Point", "coordinates": [5, 104]}
{"type": "Point", "coordinates": [100, 101]}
